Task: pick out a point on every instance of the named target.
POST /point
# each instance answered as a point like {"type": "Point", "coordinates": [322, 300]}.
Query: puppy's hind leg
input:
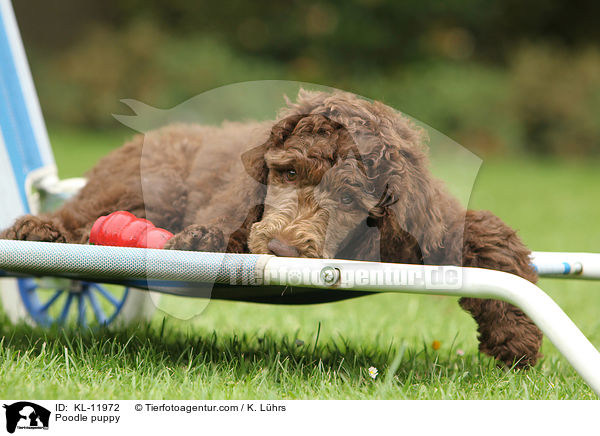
{"type": "Point", "coordinates": [505, 332]}
{"type": "Point", "coordinates": [72, 222]}
{"type": "Point", "coordinates": [34, 228]}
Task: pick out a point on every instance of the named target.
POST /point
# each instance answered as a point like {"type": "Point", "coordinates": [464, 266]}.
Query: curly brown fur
{"type": "Point", "coordinates": [505, 332]}
{"type": "Point", "coordinates": [334, 176]}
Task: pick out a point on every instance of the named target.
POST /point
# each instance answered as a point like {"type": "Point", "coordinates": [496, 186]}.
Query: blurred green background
{"type": "Point", "coordinates": [498, 76]}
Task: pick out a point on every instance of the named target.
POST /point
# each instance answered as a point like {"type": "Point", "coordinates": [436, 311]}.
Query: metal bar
{"type": "Point", "coordinates": [98, 312]}
{"type": "Point", "coordinates": [101, 262]}
{"type": "Point", "coordinates": [81, 318]}
{"type": "Point", "coordinates": [44, 307]}
{"type": "Point", "coordinates": [65, 310]}
{"type": "Point", "coordinates": [567, 265]}
{"type": "Point", "coordinates": [105, 294]}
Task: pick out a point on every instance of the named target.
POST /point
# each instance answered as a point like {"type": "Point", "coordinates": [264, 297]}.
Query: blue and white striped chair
{"type": "Point", "coordinates": [29, 184]}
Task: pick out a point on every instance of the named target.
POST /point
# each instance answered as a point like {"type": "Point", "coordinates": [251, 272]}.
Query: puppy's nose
{"type": "Point", "coordinates": [279, 248]}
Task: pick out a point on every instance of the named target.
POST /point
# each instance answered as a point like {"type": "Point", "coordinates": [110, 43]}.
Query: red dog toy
{"type": "Point", "coordinates": [124, 229]}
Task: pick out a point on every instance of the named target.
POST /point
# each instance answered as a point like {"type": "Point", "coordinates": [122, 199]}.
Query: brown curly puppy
{"type": "Point", "coordinates": [334, 176]}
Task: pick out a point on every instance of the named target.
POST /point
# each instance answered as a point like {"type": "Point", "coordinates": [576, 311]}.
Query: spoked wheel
{"type": "Point", "coordinates": [50, 301]}
{"type": "Point", "coordinates": [56, 307]}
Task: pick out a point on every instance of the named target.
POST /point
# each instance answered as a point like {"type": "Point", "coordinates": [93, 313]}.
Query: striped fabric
{"type": "Point", "coordinates": [115, 263]}
{"type": "Point", "coordinates": [24, 147]}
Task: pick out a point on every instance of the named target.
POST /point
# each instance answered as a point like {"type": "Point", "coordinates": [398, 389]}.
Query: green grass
{"type": "Point", "coordinates": [243, 350]}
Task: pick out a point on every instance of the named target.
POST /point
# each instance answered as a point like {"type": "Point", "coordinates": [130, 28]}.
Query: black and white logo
{"type": "Point", "coordinates": [26, 415]}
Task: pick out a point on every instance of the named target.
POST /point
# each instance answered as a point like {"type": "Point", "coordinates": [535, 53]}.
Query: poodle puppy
{"type": "Point", "coordinates": [334, 176]}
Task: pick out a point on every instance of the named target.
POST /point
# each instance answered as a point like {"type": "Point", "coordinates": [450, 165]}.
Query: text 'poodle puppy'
{"type": "Point", "coordinates": [335, 176]}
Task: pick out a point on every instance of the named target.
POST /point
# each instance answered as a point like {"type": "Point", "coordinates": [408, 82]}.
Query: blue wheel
{"type": "Point", "coordinates": [61, 301]}
{"type": "Point", "coordinates": [51, 301]}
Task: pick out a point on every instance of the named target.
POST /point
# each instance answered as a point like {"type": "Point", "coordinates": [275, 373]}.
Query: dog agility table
{"type": "Point", "coordinates": [265, 278]}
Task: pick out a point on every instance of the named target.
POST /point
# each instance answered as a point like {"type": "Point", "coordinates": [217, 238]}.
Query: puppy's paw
{"type": "Point", "coordinates": [505, 332]}
{"type": "Point", "coordinates": [33, 228]}
{"type": "Point", "coordinates": [513, 353]}
{"type": "Point", "coordinates": [198, 238]}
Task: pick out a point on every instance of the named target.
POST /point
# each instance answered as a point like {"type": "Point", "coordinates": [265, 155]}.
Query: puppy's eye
{"type": "Point", "coordinates": [290, 175]}
{"type": "Point", "coordinates": [369, 163]}
{"type": "Point", "coordinates": [347, 199]}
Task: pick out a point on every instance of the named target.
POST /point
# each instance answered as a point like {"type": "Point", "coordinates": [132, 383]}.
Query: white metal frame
{"type": "Point", "coordinates": [478, 283]}
{"type": "Point", "coordinates": [567, 265]}
{"type": "Point", "coordinates": [122, 263]}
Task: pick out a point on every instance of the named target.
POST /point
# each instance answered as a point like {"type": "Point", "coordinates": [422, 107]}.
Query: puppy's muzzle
{"type": "Point", "coordinates": [280, 248]}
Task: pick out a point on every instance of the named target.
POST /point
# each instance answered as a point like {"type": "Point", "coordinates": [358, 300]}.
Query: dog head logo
{"type": "Point", "coordinates": [26, 415]}
{"type": "Point", "coordinates": [326, 174]}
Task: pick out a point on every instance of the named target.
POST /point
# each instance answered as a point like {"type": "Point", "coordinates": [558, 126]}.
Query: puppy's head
{"type": "Point", "coordinates": [334, 165]}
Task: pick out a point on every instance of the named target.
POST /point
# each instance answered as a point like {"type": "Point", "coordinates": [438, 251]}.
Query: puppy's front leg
{"type": "Point", "coordinates": [212, 238]}
{"type": "Point", "coordinates": [198, 238]}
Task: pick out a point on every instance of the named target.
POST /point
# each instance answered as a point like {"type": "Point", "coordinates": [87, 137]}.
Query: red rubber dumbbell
{"type": "Point", "coordinates": [123, 229]}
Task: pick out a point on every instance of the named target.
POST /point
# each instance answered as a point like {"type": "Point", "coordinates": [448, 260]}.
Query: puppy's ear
{"type": "Point", "coordinates": [422, 206]}
{"type": "Point", "coordinates": [254, 159]}
{"type": "Point", "coordinates": [254, 163]}
{"type": "Point", "coordinates": [417, 211]}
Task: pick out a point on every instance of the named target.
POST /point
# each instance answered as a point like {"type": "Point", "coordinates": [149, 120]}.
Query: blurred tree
{"type": "Point", "coordinates": [374, 32]}
{"type": "Point", "coordinates": [481, 71]}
